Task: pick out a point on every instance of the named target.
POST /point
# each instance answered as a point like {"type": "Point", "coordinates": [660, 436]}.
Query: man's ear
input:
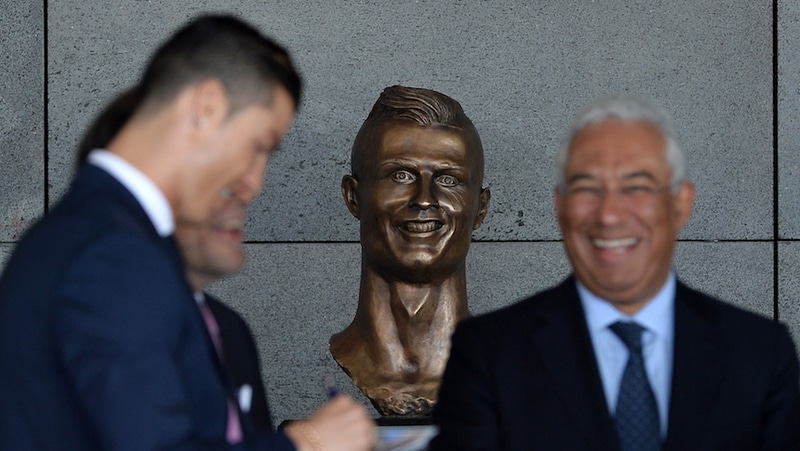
{"type": "Point", "coordinates": [485, 197]}
{"type": "Point", "coordinates": [349, 189]}
{"type": "Point", "coordinates": [208, 104]}
{"type": "Point", "coordinates": [684, 201]}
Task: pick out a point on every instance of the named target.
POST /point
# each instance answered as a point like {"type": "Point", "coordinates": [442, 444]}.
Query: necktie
{"type": "Point", "coordinates": [233, 432]}
{"type": "Point", "coordinates": [636, 417]}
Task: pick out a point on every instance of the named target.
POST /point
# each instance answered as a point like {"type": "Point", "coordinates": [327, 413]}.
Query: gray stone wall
{"type": "Point", "coordinates": [519, 68]}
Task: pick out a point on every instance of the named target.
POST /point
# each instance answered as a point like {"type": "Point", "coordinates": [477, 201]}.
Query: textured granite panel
{"type": "Point", "coordinates": [739, 273]}
{"type": "Point", "coordinates": [789, 287]}
{"type": "Point", "coordinates": [520, 69]}
{"type": "Point", "coordinates": [296, 296]}
{"type": "Point", "coordinates": [22, 108]}
{"type": "Point", "coordinates": [789, 118]}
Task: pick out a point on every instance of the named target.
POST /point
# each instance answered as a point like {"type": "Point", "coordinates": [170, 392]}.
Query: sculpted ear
{"type": "Point", "coordinates": [486, 195]}
{"type": "Point", "coordinates": [349, 188]}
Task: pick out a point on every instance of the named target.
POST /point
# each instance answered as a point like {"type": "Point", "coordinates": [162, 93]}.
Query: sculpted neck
{"type": "Point", "coordinates": [407, 302]}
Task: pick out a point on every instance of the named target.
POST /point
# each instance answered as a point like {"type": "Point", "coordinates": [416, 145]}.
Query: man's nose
{"type": "Point", "coordinates": [612, 206]}
{"type": "Point", "coordinates": [252, 181]}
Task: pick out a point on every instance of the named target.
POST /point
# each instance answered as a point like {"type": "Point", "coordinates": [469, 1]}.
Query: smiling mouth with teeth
{"type": "Point", "coordinates": [606, 244]}
{"type": "Point", "coordinates": [422, 227]}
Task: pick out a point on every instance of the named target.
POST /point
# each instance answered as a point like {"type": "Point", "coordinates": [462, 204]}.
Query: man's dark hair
{"type": "Point", "coordinates": [225, 48]}
{"type": "Point", "coordinates": [108, 123]}
{"type": "Point", "coordinates": [248, 64]}
{"type": "Point", "coordinates": [422, 106]}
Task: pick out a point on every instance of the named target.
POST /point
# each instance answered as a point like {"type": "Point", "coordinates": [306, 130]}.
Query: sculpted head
{"type": "Point", "coordinates": [416, 185]}
{"type": "Point", "coordinates": [622, 196]}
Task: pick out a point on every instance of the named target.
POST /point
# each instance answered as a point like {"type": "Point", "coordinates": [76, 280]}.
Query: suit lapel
{"type": "Point", "coordinates": [562, 340]}
{"type": "Point", "coordinates": [696, 371]}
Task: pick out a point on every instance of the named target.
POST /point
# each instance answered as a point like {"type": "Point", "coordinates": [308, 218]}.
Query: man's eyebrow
{"type": "Point", "coordinates": [397, 162]}
{"type": "Point", "coordinates": [581, 176]}
{"type": "Point", "coordinates": [639, 174]}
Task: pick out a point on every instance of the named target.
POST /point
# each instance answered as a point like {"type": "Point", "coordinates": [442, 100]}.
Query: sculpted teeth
{"type": "Point", "coordinates": [605, 244]}
{"type": "Point", "coordinates": [421, 227]}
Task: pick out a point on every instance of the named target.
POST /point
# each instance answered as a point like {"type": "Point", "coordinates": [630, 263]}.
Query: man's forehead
{"type": "Point", "coordinates": [403, 135]}
{"type": "Point", "coordinates": [614, 140]}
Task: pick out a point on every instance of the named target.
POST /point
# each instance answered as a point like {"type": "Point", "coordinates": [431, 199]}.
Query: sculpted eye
{"type": "Point", "coordinates": [402, 176]}
{"type": "Point", "coordinates": [447, 180]}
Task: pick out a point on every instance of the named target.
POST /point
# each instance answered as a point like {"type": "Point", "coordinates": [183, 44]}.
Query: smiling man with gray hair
{"type": "Point", "coordinates": [621, 355]}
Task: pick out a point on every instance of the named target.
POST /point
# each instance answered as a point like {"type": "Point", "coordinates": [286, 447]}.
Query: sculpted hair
{"type": "Point", "coordinates": [422, 106]}
{"type": "Point", "coordinates": [629, 109]}
{"type": "Point", "coordinates": [247, 63]}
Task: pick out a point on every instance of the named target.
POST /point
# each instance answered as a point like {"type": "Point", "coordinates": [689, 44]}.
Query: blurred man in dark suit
{"type": "Point", "coordinates": [116, 353]}
{"type": "Point", "coordinates": [210, 251]}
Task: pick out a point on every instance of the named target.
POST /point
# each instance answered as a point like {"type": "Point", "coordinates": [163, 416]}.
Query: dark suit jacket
{"type": "Point", "coordinates": [102, 345]}
{"type": "Point", "coordinates": [241, 363]}
{"type": "Point", "coordinates": [525, 378]}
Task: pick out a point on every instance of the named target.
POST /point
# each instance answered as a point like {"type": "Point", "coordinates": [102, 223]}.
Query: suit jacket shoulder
{"type": "Point", "coordinates": [735, 378]}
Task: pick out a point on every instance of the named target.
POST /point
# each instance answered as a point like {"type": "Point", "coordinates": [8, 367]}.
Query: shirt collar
{"type": "Point", "coordinates": [657, 316]}
{"type": "Point", "coordinates": [146, 192]}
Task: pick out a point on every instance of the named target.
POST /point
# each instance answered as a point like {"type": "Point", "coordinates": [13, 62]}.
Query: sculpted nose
{"type": "Point", "coordinates": [424, 196]}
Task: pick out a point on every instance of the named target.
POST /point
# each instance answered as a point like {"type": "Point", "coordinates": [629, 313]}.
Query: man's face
{"type": "Point", "coordinates": [230, 175]}
{"type": "Point", "coordinates": [418, 198]}
{"type": "Point", "coordinates": [618, 215]}
{"type": "Point", "coordinates": [214, 249]}
{"type": "Point", "coordinates": [230, 154]}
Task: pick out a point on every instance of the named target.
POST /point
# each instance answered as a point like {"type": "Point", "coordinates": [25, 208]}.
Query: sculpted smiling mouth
{"type": "Point", "coordinates": [421, 226]}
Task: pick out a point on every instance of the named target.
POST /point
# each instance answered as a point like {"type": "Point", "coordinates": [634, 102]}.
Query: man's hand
{"type": "Point", "coordinates": [341, 424]}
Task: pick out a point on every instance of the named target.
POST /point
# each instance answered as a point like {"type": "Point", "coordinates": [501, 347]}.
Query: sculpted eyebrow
{"type": "Point", "coordinates": [397, 162]}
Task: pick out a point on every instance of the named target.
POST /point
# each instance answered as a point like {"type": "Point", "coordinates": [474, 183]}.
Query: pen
{"type": "Point", "coordinates": [330, 387]}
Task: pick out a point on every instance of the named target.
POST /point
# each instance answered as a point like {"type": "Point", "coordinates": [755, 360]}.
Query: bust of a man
{"type": "Point", "coordinates": [416, 189]}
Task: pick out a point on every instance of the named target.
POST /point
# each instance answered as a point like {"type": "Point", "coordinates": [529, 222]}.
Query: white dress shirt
{"type": "Point", "coordinates": [658, 319]}
{"type": "Point", "coordinates": [143, 189]}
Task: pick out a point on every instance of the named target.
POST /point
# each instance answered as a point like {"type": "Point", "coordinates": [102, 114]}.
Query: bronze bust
{"type": "Point", "coordinates": [416, 189]}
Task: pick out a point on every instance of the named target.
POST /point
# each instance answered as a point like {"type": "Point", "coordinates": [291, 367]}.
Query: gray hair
{"type": "Point", "coordinates": [629, 109]}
